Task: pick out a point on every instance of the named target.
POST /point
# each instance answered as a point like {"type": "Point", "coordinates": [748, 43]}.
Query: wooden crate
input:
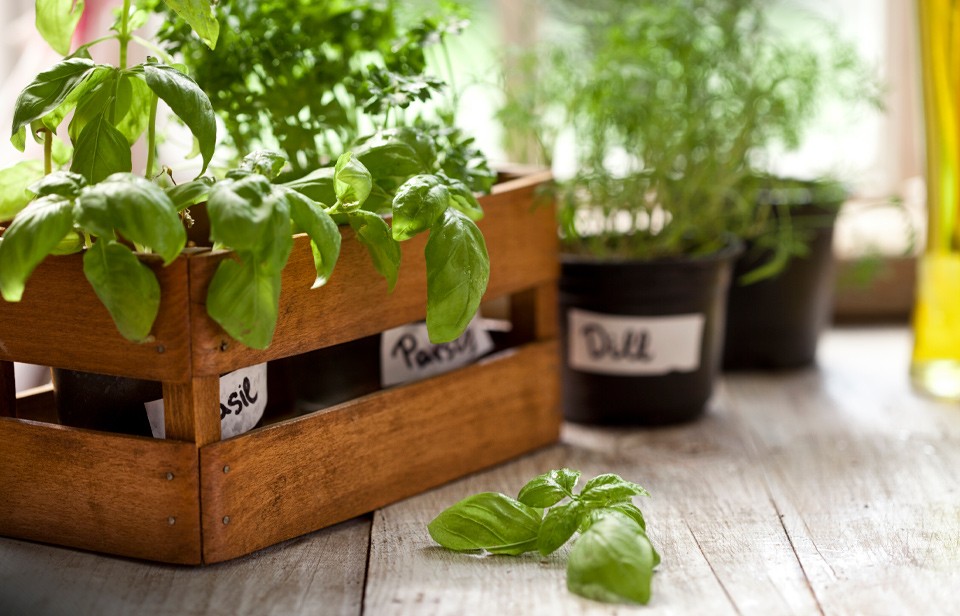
{"type": "Point", "coordinates": [193, 498]}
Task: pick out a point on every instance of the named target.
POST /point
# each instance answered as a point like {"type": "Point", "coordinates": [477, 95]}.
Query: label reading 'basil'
{"type": "Point", "coordinates": [407, 355]}
{"type": "Point", "coordinates": [633, 345]}
{"type": "Point", "coordinates": [243, 398]}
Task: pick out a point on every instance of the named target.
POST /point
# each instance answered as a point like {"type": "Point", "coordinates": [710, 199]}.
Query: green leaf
{"type": "Point", "coordinates": [631, 511]}
{"type": "Point", "coordinates": [419, 202]}
{"type": "Point", "coordinates": [190, 193]}
{"type": "Point", "coordinates": [188, 101]}
{"type": "Point", "coordinates": [421, 143]}
{"type": "Point", "coordinates": [127, 287]}
{"type": "Point", "coordinates": [61, 152]}
{"type": "Point", "coordinates": [199, 14]}
{"type": "Point", "coordinates": [14, 182]}
{"type": "Point", "coordinates": [101, 150]}
{"type": "Point", "coordinates": [265, 162]}
{"type": "Point", "coordinates": [92, 103]}
{"type": "Point", "coordinates": [458, 269]}
{"type": "Point", "coordinates": [136, 207]}
{"type": "Point", "coordinates": [352, 183]}
{"type": "Point", "coordinates": [318, 185]}
{"type": "Point", "coordinates": [610, 489]}
{"type": "Point", "coordinates": [462, 198]}
{"type": "Point", "coordinates": [32, 235]}
{"type": "Point", "coordinates": [324, 233]}
{"type": "Point", "coordinates": [391, 159]}
{"type": "Point", "coordinates": [488, 521]}
{"type": "Point", "coordinates": [133, 107]}
{"type": "Point", "coordinates": [97, 81]}
{"type": "Point", "coordinates": [558, 526]}
{"type": "Point", "coordinates": [45, 93]}
{"type": "Point", "coordinates": [550, 488]}
{"type": "Point", "coordinates": [57, 20]}
{"type": "Point", "coordinates": [64, 183]}
{"type": "Point", "coordinates": [240, 211]}
{"type": "Point", "coordinates": [374, 233]}
{"type": "Point", "coordinates": [612, 561]}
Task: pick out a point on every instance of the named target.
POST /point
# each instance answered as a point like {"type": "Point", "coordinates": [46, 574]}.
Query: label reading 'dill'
{"type": "Point", "coordinates": [631, 345]}
{"type": "Point", "coordinates": [407, 355]}
{"type": "Point", "coordinates": [243, 397]}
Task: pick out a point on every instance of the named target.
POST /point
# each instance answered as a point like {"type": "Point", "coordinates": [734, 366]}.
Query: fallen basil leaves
{"type": "Point", "coordinates": [612, 560]}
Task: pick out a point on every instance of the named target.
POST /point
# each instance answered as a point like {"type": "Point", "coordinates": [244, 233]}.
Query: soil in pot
{"type": "Point", "coordinates": [775, 323]}
{"type": "Point", "coordinates": [641, 340]}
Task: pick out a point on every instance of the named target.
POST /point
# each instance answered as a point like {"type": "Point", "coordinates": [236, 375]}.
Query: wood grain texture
{"type": "Point", "coordinates": [8, 390]}
{"type": "Point", "coordinates": [98, 491]}
{"type": "Point", "coordinates": [61, 323]}
{"type": "Point", "coordinates": [296, 476]}
{"type": "Point", "coordinates": [521, 241]}
{"type": "Point", "coordinates": [192, 410]}
{"type": "Point", "coordinates": [321, 573]}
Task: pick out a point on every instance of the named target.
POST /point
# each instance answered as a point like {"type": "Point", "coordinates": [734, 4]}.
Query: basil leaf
{"type": "Point", "coordinates": [318, 185]}
{"type": "Point", "coordinates": [374, 233]}
{"type": "Point", "coordinates": [421, 143]}
{"type": "Point", "coordinates": [265, 162]}
{"type": "Point", "coordinates": [462, 198]}
{"type": "Point", "coordinates": [190, 193]}
{"type": "Point", "coordinates": [391, 159]}
{"type": "Point", "coordinates": [458, 269]}
{"type": "Point", "coordinates": [244, 298]}
{"type": "Point", "coordinates": [101, 150]}
{"type": "Point", "coordinates": [133, 107]}
{"type": "Point", "coordinates": [57, 20]}
{"type": "Point", "coordinates": [136, 207]}
{"type": "Point", "coordinates": [14, 182]}
{"type": "Point", "coordinates": [558, 526]}
{"type": "Point", "coordinates": [188, 101]}
{"type": "Point", "coordinates": [550, 488]}
{"type": "Point", "coordinates": [93, 103]}
{"type": "Point", "coordinates": [45, 93]}
{"type": "Point", "coordinates": [70, 244]}
{"type": "Point", "coordinates": [631, 511]}
{"type": "Point", "coordinates": [127, 287]}
{"type": "Point", "coordinates": [199, 14]}
{"type": "Point", "coordinates": [240, 211]}
{"type": "Point", "coordinates": [352, 183]}
{"type": "Point", "coordinates": [324, 234]}
{"type": "Point", "coordinates": [64, 183]}
{"type": "Point", "coordinates": [612, 561]}
{"type": "Point", "coordinates": [419, 202]}
{"type": "Point", "coordinates": [492, 522]}
{"type": "Point", "coordinates": [609, 489]}
{"type": "Point", "coordinates": [96, 81]}
{"type": "Point", "coordinates": [32, 235]}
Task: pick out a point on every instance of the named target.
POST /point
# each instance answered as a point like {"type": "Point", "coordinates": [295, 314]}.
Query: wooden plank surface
{"type": "Point", "coordinates": [321, 573]}
{"type": "Point", "coordinates": [192, 410]}
{"type": "Point", "coordinates": [114, 494]}
{"type": "Point", "coordinates": [61, 323]}
{"type": "Point", "coordinates": [521, 241]}
{"type": "Point", "coordinates": [300, 475]}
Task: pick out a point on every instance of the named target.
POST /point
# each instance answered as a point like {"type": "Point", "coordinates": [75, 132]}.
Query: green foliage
{"type": "Point", "coordinates": [56, 20]}
{"type": "Point", "coordinates": [671, 105]}
{"type": "Point", "coordinates": [612, 560]}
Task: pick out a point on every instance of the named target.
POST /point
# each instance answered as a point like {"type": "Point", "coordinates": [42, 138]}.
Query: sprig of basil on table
{"type": "Point", "coordinates": [612, 559]}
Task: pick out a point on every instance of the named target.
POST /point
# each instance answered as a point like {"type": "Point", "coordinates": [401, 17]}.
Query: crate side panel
{"type": "Point", "coordinates": [60, 322]}
{"type": "Point", "coordinates": [305, 474]}
{"type": "Point", "coordinates": [521, 241]}
{"type": "Point", "coordinates": [100, 492]}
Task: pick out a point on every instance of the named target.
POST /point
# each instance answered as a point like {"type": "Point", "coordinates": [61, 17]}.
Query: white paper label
{"type": "Point", "coordinates": [632, 345]}
{"type": "Point", "coordinates": [407, 355]}
{"type": "Point", "coordinates": [243, 397]}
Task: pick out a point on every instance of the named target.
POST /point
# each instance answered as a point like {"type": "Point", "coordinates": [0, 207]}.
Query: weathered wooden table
{"type": "Point", "coordinates": [826, 491]}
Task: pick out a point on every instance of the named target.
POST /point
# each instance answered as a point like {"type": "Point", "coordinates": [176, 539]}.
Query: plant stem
{"type": "Point", "coordinates": [47, 151]}
{"type": "Point", "coordinates": [123, 38]}
{"type": "Point", "coordinates": [152, 136]}
{"type": "Point", "coordinates": [152, 47]}
{"type": "Point", "coordinates": [454, 94]}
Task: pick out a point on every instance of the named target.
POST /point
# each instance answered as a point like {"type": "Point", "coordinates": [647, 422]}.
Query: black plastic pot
{"type": "Point", "coordinates": [597, 387]}
{"type": "Point", "coordinates": [102, 402]}
{"type": "Point", "coordinates": [776, 323]}
{"type": "Point", "coordinates": [332, 375]}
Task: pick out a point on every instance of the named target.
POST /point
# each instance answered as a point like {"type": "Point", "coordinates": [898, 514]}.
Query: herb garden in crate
{"type": "Point", "coordinates": [99, 278]}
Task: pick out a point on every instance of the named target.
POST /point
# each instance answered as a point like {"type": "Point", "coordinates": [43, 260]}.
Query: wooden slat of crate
{"type": "Point", "coordinates": [521, 241]}
{"type": "Point", "coordinates": [99, 491]}
{"type": "Point", "coordinates": [61, 322]}
{"type": "Point", "coordinates": [307, 473]}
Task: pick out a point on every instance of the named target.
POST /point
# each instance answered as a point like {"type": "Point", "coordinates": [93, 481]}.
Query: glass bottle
{"type": "Point", "coordinates": [935, 366]}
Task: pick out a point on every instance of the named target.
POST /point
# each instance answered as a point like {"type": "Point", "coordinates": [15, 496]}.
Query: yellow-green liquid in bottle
{"type": "Point", "coordinates": [935, 367]}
